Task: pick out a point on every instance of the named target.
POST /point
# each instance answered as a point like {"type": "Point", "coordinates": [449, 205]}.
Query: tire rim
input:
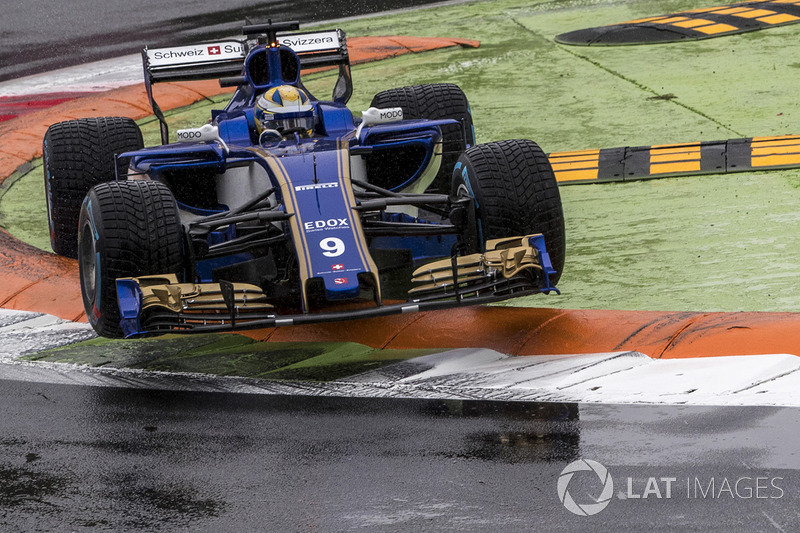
{"type": "Point", "coordinates": [48, 192]}
{"type": "Point", "coordinates": [88, 263]}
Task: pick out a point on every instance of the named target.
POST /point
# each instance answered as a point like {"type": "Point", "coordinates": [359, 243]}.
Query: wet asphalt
{"type": "Point", "coordinates": [39, 36]}
{"type": "Point", "coordinates": [76, 458]}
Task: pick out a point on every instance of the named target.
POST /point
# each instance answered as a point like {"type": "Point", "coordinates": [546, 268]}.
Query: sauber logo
{"type": "Point", "coordinates": [181, 55]}
{"type": "Point", "coordinates": [316, 186]}
{"type": "Point", "coordinates": [340, 281]}
{"type": "Point", "coordinates": [174, 54]}
{"type": "Point", "coordinates": [311, 42]}
{"type": "Point", "coordinates": [233, 49]}
{"type": "Point", "coordinates": [299, 41]}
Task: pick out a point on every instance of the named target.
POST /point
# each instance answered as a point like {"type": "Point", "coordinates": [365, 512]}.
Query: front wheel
{"type": "Point", "coordinates": [433, 101]}
{"type": "Point", "coordinates": [515, 193]}
{"type": "Point", "coordinates": [79, 154]}
{"type": "Point", "coordinates": [126, 229]}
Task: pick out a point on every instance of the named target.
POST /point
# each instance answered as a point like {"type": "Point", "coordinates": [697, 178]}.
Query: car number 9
{"type": "Point", "coordinates": [332, 247]}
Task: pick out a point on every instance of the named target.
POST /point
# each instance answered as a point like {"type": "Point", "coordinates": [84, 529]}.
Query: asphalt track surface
{"type": "Point", "coordinates": [113, 459]}
{"type": "Point", "coordinates": [39, 36]}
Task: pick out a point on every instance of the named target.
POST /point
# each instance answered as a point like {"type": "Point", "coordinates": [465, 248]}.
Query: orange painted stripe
{"type": "Point", "coordinates": [780, 18]}
{"type": "Point", "coordinates": [670, 168]}
{"type": "Point", "coordinates": [665, 158]}
{"type": "Point", "coordinates": [574, 154]}
{"type": "Point", "coordinates": [693, 23]}
{"type": "Point", "coordinates": [768, 150]}
{"type": "Point", "coordinates": [675, 158]}
{"type": "Point", "coordinates": [672, 20]}
{"type": "Point", "coordinates": [576, 175]}
{"type": "Point", "coordinates": [776, 138]}
{"type": "Point", "coordinates": [755, 13]}
{"type": "Point", "coordinates": [678, 149]}
{"type": "Point", "coordinates": [789, 143]}
{"type": "Point", "coordinates": [366, 49]}
{"type": "Point", "coordinates": [775, 147]}
{"type": "Point", "coordinates": [648, 19]}
{"type": "Point", "coordinates": [676, 146]}
{"type": "Point", "coordinates": [700, 10]}
{"type": "Point", "coordinates": [574, 165]}
{"type": "Point", "coordinates": [564, 163]}
{"type": "Point", "coordinates": [716, 28]}
{"type": "Point", "coordinates": [733, 10]}
{"type": "Point", "coordinates": [533, 331]}
{"type": "Point", "coordinates": [775, 160]}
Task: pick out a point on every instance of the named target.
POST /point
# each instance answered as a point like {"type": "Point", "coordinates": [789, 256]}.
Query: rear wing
{"type": "Point", "coordinates": [225, 60]}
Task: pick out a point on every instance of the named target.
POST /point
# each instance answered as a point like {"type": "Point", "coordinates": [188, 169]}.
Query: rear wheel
{"type": "Point", "coordinates": [126, 229]}
{"type": "Point", "coordinates": [515, 193]}
{"type": "Point", "coordinates": [79, 154]}
{"type": "Point", "coordinates": [434, 101]}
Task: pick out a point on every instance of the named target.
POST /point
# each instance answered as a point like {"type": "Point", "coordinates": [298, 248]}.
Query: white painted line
{"type": "Point", "coordinates": [23, 333]}
{"type": "Point", "coordinates": [609, 378]}
{"type": "Point", "coordinates": [621, 378]}
{"type": "Point", "coordinates": [10, 317]}
{"type": "Point", "coordinates": [92, 77]}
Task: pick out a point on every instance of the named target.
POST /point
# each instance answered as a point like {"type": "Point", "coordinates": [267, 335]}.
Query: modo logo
{"type": "Point", "coordinates": [189, 134]}
{"type": "Point", "coordinates": [585, 509]}
{"type": "Point", "coordinates": [392, 113]}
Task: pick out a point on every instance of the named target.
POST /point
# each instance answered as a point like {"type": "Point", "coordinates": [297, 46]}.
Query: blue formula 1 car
{"type": "Point", "coordinates": [285, 209]}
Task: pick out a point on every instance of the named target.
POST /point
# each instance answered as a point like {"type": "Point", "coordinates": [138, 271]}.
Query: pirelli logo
{"type": "Point", "coordinates": [316, 186]}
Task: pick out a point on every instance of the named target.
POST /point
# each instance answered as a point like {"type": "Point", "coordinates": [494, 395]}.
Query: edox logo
{"type": "Point", "coordinates": [331, 223]}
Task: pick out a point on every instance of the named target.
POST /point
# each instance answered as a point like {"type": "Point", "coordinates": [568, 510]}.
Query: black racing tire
{"type": "Point", "coordinates": [126, 229]}
{"type": "Point", "coordinates": [435, 101]}
{"type": "Point", "coordinates": [515, 193]}
{"type": "Point", "coordinates": [79, 154]}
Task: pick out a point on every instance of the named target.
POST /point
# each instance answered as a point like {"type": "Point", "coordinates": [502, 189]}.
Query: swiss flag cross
{"type": "Point", "coordinates": [337, 267]}
{"type": "Point", "coordinates": [214, 50]}
{"type": "Point", "coordinates": [340, 281]}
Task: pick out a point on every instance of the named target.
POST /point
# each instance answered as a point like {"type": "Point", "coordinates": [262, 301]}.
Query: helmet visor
{"type": "Point", "coordinates": [291, 124]}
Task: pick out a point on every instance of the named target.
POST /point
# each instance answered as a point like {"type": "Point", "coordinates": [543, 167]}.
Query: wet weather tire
{"type": "Point", "coordinates": [436, 101]}
{"type": "Point", "coordinates": [515, 193]}
{"type": "Point", "coordinates": [79, 154]}
{"type": "Point", "coordinates": [126, 229]}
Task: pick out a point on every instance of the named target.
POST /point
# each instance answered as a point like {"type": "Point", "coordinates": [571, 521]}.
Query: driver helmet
{"type": "Point", "coordinates": [286, 109]}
